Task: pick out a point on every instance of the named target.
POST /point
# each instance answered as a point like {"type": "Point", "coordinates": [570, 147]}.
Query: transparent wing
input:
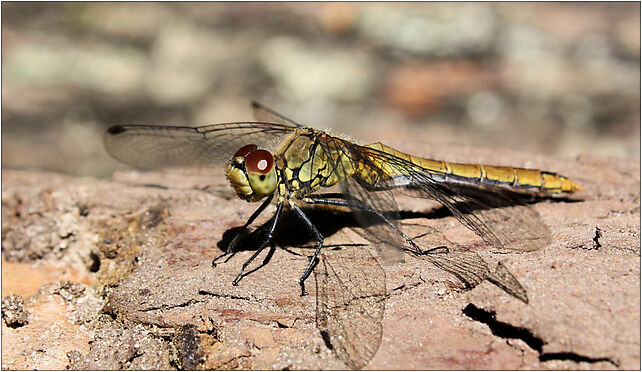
{"type": "Point", "coordinates": [344, 157]}
{"type": "Point", "coordinates": [466, 265]}
{"type": "Point", "coordinates": [266, 115]}
{"type": "Point", "coordinates": [382, 234]}
{"type": "Point", "coordinates": [498, 216]}
{"type": "Point", "coordinates": [351, 291]}
{"type": "Point", "coordinates": [155, 147]}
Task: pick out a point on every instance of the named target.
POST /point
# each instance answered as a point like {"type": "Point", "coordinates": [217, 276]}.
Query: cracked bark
{"type": "Point", "coordinates": [508, 331]}
{"type": "Point", "coordinates": [148, 250]}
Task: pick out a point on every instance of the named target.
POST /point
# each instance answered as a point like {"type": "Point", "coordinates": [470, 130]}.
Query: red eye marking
{"type": "Point", "coordinates": [259, 161]}
{"type": "Point", "coordinates": [245, 151]}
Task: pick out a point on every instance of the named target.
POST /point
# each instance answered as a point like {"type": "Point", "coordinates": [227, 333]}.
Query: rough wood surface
{"type": "Point", "coordinates": [134, 256]}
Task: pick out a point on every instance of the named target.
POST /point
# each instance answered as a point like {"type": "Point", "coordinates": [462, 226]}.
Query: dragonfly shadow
{"type": "Point", "coordinates": [291, 231]}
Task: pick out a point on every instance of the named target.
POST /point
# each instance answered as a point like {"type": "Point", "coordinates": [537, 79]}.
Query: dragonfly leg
{"type": "Point", "coordinates": [313, 260]}
{"type": "Point", "coordinates": [353, 203]}
{"type": "Point", "coordinates": [234, 241]}
{"type": "Point", "coordinates": [217, 258]}
{"type": "Point", "coordinates": [264, 244]}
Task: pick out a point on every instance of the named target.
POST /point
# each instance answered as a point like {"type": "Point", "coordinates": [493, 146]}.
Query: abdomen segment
{"type": "Point", "coordinates": [532, 181]}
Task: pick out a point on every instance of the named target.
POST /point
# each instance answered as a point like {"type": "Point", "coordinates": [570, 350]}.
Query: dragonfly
{"type": "Point", "coordinates": [276, 159]}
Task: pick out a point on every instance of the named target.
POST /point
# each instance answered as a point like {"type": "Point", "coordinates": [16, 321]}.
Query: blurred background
{"type": "Point", "coordinates": [556, 78]}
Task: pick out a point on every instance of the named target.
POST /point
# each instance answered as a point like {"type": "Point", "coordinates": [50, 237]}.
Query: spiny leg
{"type": "Point", "coordinates": [313, 260]}
{"type": "Point", "coordinates": [230, 247]}
{"type": "Point", "coordinates": [264, 244]}
{"type": "Point", "coordinates": [353, 203]}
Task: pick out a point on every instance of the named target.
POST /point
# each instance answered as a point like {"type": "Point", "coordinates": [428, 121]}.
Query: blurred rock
{"type": "Point", "coordinates": [139, 21]}
{"type": "Point", "coordinates": [216, 109]}
{"type": "Point", "coordinates": [304, 73]}
{"type": "Point", "coordinates": [485, 108]}
{"type": "Point", "coordinates": [186, 61]}
{"type": "Point", "coordinates": [417, 88]}
{"type": "Point", "coordinates": [99, 68]}
{"type": "Point", "coordinates": [594, 49]}
{"type": "Point", "coordinates": [523, 44]}
{"type": "Point", "coordinates": [628, 35]}
{"type": "Point", "coordinates": [337, 17]}
{"type": "Point", "coordinates": [430, 29]}
{"type": "Point", "coordinates": [576, 111]}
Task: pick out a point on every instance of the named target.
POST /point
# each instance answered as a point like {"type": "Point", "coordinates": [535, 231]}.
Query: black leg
{"type": "Point", "coordinates": [232, 244]}
{"type": "Point", "coordinates": [264, 244]}
{"type": "Point", "coordinates": [313, 260]}
{"type": "Point", "coordinates": [353, 203]}
{"type": "Point", "coordinates": [267, 258]}
{"type": "Point", "coordinates": [221, 256]}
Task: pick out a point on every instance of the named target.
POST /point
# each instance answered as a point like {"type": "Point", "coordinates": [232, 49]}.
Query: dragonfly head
{"type": "Point", "coordinates": [251, 173]}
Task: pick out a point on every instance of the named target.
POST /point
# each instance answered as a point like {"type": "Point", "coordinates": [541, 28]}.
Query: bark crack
{"type": "Point", "coordinates": [596, 241]}
{"type": "Point", "coordinates": [505, 330]}
{"type": "Point", "coordinates": [218, 295]}
{"type": "Point", "coordinates": [169, 307]}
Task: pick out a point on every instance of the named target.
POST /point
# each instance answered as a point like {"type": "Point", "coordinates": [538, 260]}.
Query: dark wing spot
{"type": "Point", "coordinates": [116, 129]}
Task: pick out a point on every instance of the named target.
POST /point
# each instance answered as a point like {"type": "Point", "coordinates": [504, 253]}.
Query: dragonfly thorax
{"type": "Point", "coordinates": [251, 173]}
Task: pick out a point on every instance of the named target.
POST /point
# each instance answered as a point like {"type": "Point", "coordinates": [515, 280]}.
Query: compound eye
{"type": "Point", "coordinates": [245, 151]}
{"type": "Point", "coordinates": [259, 161]}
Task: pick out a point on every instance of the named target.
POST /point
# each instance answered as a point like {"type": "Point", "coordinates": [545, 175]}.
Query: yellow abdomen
{"type": "Point", "coordinates": [516, 179]}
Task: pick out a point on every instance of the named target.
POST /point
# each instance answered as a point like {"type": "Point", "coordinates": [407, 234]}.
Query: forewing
{"type": "Point", "coordinates": [498, 216]}
{"type": "Point", "coordinates": [266, 115]}
{"type": "Point", "coordinates": [351, 291]}
{"type": "Point", "coordinates": [155, 147]}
